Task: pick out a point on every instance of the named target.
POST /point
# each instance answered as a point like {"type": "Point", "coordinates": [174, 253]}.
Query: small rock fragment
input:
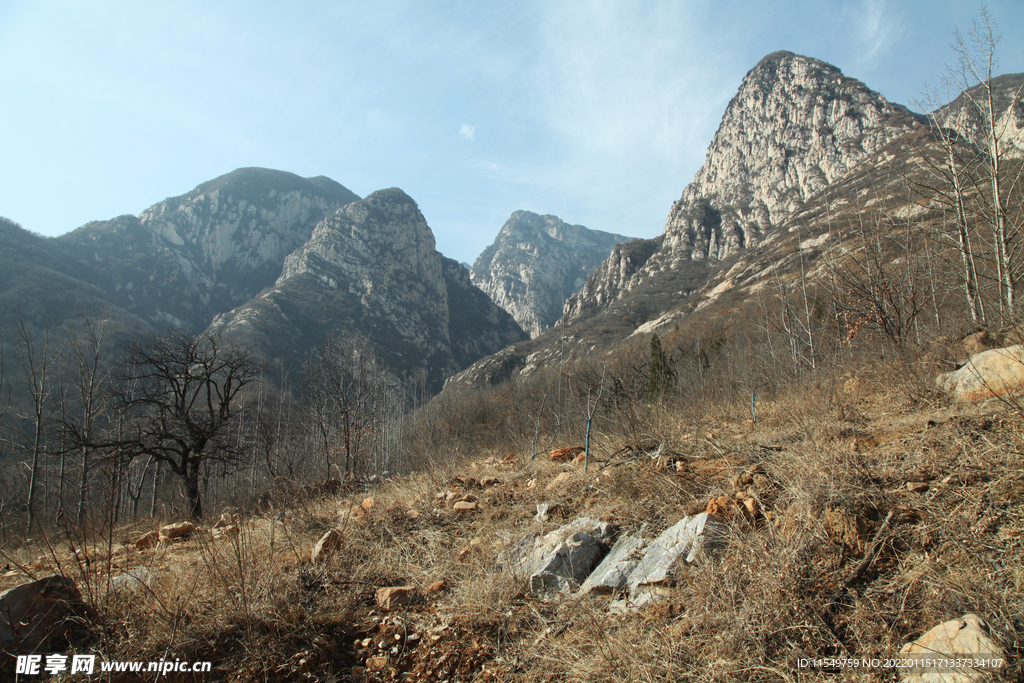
{"type": "Point", "coordinates": [565, 454]}
{"type": "Point", "coordinates": [329, 543]}
{"type": "Point", "coordinates": [179, 531]}
{"type": "Point", "coordinates": [394, 597]}
{"type": "Point", "coordinates": [147, 540]}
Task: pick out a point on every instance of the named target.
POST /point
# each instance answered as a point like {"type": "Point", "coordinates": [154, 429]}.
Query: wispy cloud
{"type": "Point", "coordinates": [467, 131]}
{"type": "Point", "coordinates": [877, 29]}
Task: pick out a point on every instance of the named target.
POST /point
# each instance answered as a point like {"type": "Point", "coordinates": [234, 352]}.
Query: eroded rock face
{"type": "Point", "coordinates": [536, 262]}
{"type": "Point", "coordinates": [187, 258]}
{"type": "Point", "coordinates": [795, 125]}
{"type": "Point", "coordinates": [963, 116]}
{"type": "Point", "coordinates": [372, 269]}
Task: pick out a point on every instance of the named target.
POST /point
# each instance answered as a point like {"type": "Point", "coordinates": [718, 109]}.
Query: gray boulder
{"type": "Point", "coordinates": [667, 557]}
{"type": "Point", "coordinates": [568, 565]}
{"type": "Point", "coordinates": [526, 557]}
{"type": "Point", "coordinates": [613, 572]}
{"type": "Point", "coordinates": [132, 581]}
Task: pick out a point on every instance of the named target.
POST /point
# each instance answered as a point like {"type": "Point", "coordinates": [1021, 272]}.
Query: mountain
{"type": "Point", "coordinates": [536, 263]}
{"type": "Point", "coordinates": [795, 125]}
{"type": "Point", "coordinates": [372, 268]}
{"type": "Point", "coordinates": [275, 261]}
{"type": "Point", "coordinates": [803, 160]}
{"type": "Point", "coordinates": [188, 258]}
{"type": "Point", "coordinates": [961, 116]}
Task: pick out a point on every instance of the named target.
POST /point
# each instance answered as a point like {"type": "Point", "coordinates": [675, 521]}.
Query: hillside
{"type": "Point", "coordinates": [853, 522]}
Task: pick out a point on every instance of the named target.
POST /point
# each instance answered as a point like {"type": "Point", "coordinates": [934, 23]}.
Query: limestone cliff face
{"type": "Point", "coordinates": [381, 250]}
{"type": "Point", "coordinates": [372, 269]}
{"type": "Point", "coordinates": [536, 262]}
{"type": "Point", "coordinates": [187, 258]}
{"type": "Point", "coordinates": [966, 113]}
{"type": "Point", "coordinates": [795, 125]}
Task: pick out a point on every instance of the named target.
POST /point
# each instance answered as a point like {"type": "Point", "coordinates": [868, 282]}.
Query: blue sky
{"type": "Point", "coordinates": [598, 112]}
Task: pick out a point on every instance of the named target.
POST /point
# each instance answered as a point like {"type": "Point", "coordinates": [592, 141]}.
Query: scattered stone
{"type": "Point", "coordinates": [965, 638]}
{"type": "Point", "coordinates": [558, 481]}
{"type": "Point", "coordinates": [721, 507]}
{"type": "Point", "coordinates": [368, 503]}
{"type": "Point", "coordinates": [976, 343]}
{"type": "Point", "coordinates": [464, 507]}
{"type": "Point", "coordinates": [437, 586]}
{"type": "Point", "coordinates": [751, 506]}
{"type": "Point", "coordinates": [226, 520]}
{"type": "Point", "coordinates": [180, 531]}
{"type": "Point", "coordinates": [917, 486]}
{"type": "Point", "coordinates": [488, 482]}
{"type": "Point", "coordinates": [997, 372]}
{"type": "Point", "coordinates": [565, 454]}
{"type": "Point", "coordinates": [329, 543]}
{"type": "Point", "coordinates": [395, 597]}
{"type": "Point", "coordinates": [132, 580]}
{"type": "Point", "coordinates": [33, 613]}
{"type": "Point", "coordinates": [545, 510]}
{"type": "Point", "coordinates": [568, 565]}
{"type": "Point", "coordinates": [376, 663]}
{"type": "Point", "coordinates": [229, 531]}
{"type": "Point", "coordinates": [675, 548]}
{"type": "Point", "coordinates": [147, 540]}
{"type": "Point", "coordinates": [613, 572]}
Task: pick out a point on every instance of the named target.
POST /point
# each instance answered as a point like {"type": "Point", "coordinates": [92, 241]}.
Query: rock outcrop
{"type": "Point", "coordinates": [535, 264]}
{"type": "Point", "coordinates": [957, 651]}
{"type": "Point", "coordinates": [188, 258]}
{"type": "Point", "coordinates": [989, 374]}
{"type": "Point", "coordinates": [372, 269]}
{"type": "Point", "coordinates": [795, 126]}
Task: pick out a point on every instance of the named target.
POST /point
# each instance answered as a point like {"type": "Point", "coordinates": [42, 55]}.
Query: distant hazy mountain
{"type": "Point", "coordinates": [536, 263]}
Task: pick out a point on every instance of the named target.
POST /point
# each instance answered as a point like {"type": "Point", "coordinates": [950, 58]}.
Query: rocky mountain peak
{"type": "Point", "coordinates": [536, 262]}
{"type": "Point", "coordinates": [795, 125]}
{"type": "Point", "coordinates": [246, 219]}
{"type": "Point", "coordinates": [381, 250]}
{"type": "Point", "coordinates": [188, 258]}
{"type": "Point", "coordinates": [372, 268]}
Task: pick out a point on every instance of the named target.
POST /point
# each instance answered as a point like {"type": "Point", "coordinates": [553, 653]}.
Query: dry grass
{"type": "Point", "coordinates": [831, 464]}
